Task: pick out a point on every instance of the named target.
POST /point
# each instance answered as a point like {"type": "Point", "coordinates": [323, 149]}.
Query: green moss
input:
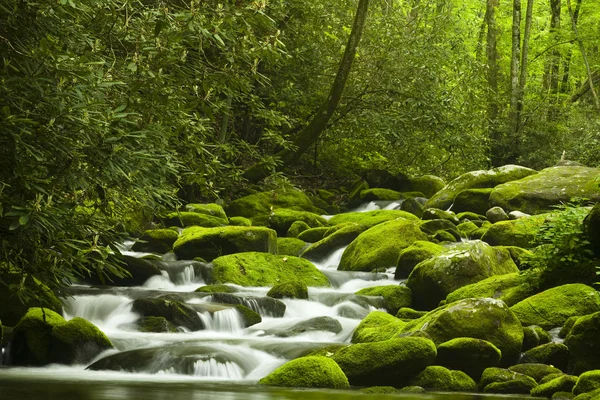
{"type": "Point", "coordinates": [336, 237]}
{"type": "Point", "coordinates": [216, 289]}
{"type": "Point", "coordinates": [155, 324]}
{"type": "Point", "coordinates": [412, 206]}
{"type": "Point", "coordinates": [466, 228]}
{"type": "Point", "coordinates": [377, 327]}
{"type": "Point", "coordinates": [12, 309]}
{"type": "Point", "coordinates": [156, 241]}
{"type": "Point", "coordinates": [312, 372]}
{"type": "Point", "coordinates": [445, 237]}
{"type": "Point", "coordinates": [210, 243]}
{"type": "Point", "coordinates": [249, 316]}
{"type": "Point", "coordinates": [437, 378]}
{"type": "Point", "coordinates": [593, 395]}
{"type": "Point", "coordinates": [264, 269]}
{"type": "Point", "coordinates": [210, 209]}
{"type": "Point", "coordinates": [313, 235]}
{"type": "Point", "coordinates": [566, 328]}
{"type": "Point", "coordinates": [240, 221]}
{"type": "Point", "coordinates": [297, 228]}
{"type": "Point", "coordinates": [413, 255]}
{"type": "Point", "coordinates": [514, 382]}
{"type": "Point", "coordinates": [379, 247]}
{"type": "Point", "coordinates": [472, 356]}
{"type": "Point", "coordinates": [328, 350]}
{"type": "Point", "coordinates": [534, 336]}
{"type": "Point", "coordinates": [379, 390]}
{"type": "Point", "coordinates": [435, 213]}
{"type": "Point", "coordinates": [326, 195]}
{"type": "Point", "coordinates": [510, 288]}
{"type": "Point", "coordinates": [587, 382]}
{"type": "Point", "coordinates": [564, 383]}
{"type": "Point", "coordinates": [427, 184]}
{"type": "Point", "coordinates": [408, 313]}
{"type": "Point", "coordinates": [386, 363]}
{"type": "Point", "coordinates": [551, 308]}
{"type": "Point", "coordinates": [370, 218]}
{"type": "Point", "coordinates": [262, 203]}
{"type": "Point", "coordinates": [187, 218]}
{"type": "Point", "coordinates": [173, 311]}
{"type": "Point", "coordinates": [460, 265]}
{"type": "Point", "coordinates": [535, 370]}
{"type": "Point", "coordinates": [583, 342]}
{"type": "Point", "coordinates": [324, 324]}
{"type": "Point", "coordinates": [282, 219]}
{"type": "Point", "coordinates": [470, 216]}
{"type": "Point", "coordinates": [563, 396]}
{"type": "Point", "coordinates": [395, 296]}
{"type": "Point", "coordinates": [412, 389]}
{"type": "Point", "coordinates": [515, 386]}
{"type": "Point", "coordinates": [591, 227]}
{"type": "Point", "coordinates": [292, 290]}
{"type": "Point", "coordinates": [552, 353]}
{"type": "Point", "coordinates": [486, 319]}
{"type": "Point", "coordinates": [380, 194]}
{"type": "Point", "coordinates": [520, 232]}
{"type": "Point", "coordinates": [474, 200]}
{"type": "Point", "coordinates": [289, 246]}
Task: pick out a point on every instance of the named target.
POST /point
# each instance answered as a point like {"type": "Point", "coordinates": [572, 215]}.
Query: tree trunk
{"type": "Point", "coordinates": [309, 135]}
{"type": "Point", "coordinates": [564, 85]}
{"type": "Point", "coordinates": [552, 69]}
{"type": "Point", "coordinates": [523, 75]}
{"type": "Point", "coordinates": [494, 133]}
{"type": "Point", "coordinates": [514, 79]}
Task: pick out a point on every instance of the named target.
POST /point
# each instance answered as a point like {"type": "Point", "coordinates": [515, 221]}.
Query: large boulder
{"type": "Point", "coordinates": [264, 202]}
{"type": "Point", "coordinates": [290, 246]}
{"type": "Point", "coordinates": [553, 353]}
{"type": "Point", "coordinates": [473, 200]}
{"type": "Point", "coordinates": [426, 184]}
{"type": "Point", "coordinates": [504, 381]}
{"type": "Point", "coordinates": [387, 363]}
{"type": "Point", "coordinates": [323, 324]}
{"type": "Point", "coordinates": [466, 263]}
{"type": "Point", "coordinates": [210, 209]}
{"type": "Point", "coordinates": [210, 243]}
{"type": "Point", "coordinates": [510, 288]}
{"type": "Point", "coordinates": [552, 186]}
{"type": "Point", "coordinates": [173, 311]}
{"type": "Point", "coordinates": [395, 296]}
{"type": "Point", "coordinates": [188, 218]}
{"type": "Point", "coordinates": [551, 308]}
{"type": "Point", "coordinates": [310, 372]}
{"type": "Point", "coordinates": [156, 241]}
{"type": "Point", "coordinates": [380, 194]}
{"type": "Point", "coordinates": [441, 379]}
{"type": "Point", "coordinates": [265, 269]}
{"type": "Point", "coordinates": [42, 337]}
{"type": "Point", "coordinates": [377, 327]}
{"type": "Point", "coordinates": [282, 219]}
{"type": "Point", "coordinates": [583, 342]}
{"type": "Point", "coordinates": [484, 318]}
{"type": "Point", "coordinates": [520, 232]}
{"type": "Point", "coordinates": [476, 180]}
{"type": "Point", "coordinates": [472, 356]}
{"type": "Point", "coordinates": [378, 248]}
{"type": "Point", "coordinates": [370, 218]}
{"type": "Point", "coordinates": [591, 226]}
{"type": "Point", "coordinates": [411, 256]}
{"type": "Point", "coordinates": [291, 290]}
{"type": "Point", "coordinates": [337, 237]}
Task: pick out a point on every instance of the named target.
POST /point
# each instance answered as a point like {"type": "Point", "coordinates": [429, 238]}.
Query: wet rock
{"type": "Point", "coordinates": [292, 290]}
{"type": "Point", "coordinates": [440, 379]}
{"type": "Point", "coordinates": [552, 353]}
{"type": "Point", "coordinates": [324, 324]}
{"type": "Point", "coordinates": [173, 311]}
{"type": "Point", "coordinates": [262, 305]}
{"type": "Point", "coordinates": [249, 316]}
{"type": "Point", "coordinates": [413, 206]}
{"type": "Point", "coordinates": [380, 194]}
{"type": "Point", "coordinates": [496, 214]}
{"type": "Point", "coordinates": [395, 296]}
{"type": "Point", "coordinates": [289, 246]}
{"type": "Point", "coordinates": [376, 327]}
{"type": "Point", "coordinates": [564, 383]}
{"type": "Point", "coordinates": [469, 355]}
{"type": "Point", "coordinates": [434, 213]}
{"type": "Point", "coordinates": [338, 236]}
{"type": "Point", "coordinates": [534, 336]}
{"type": "Point", "coordinates": [155, 324]}
{"type": "Point", "coordinates": [535, 370]}
{"type": "Point", "coordinates": [583, 342]}
{"type": "Point", "coordinates": [311, 372]}
{"type": "Point", "coordinates": [282, 219]}
{"type": "Point", "coordinates": [156, 241]}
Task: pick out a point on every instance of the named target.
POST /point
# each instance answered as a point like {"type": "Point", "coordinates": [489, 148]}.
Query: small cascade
{"type": "Point", "coordinates": [107, 311]}
{"type": "Point", "coordinates": [228, 320]}
{"type": "Point", "coordinates": [378, 205]}
{"type": "Point", "coordinates": [211, 368]}
{"type": "Point", "coordinates": [332, 261]}
{"type": "Point", "coordinates": [340, 279]}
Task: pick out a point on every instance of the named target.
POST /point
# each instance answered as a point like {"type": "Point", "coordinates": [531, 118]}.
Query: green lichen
{"type": "Point", "coordinates": [395, 296]}
{"type": "Point", "coordinates": [438, 378]}
{"type": "Point", "coordinates": [472, 356]}
{"type": "Point", "coordinates": [377, 327]}
{"type": "Point", "coordinates": [292, 290]}
{"type": "Point", "coordinates": [311, 372]}
{"type": "Point", "coordinates": [264, 269]}
{"type": "Point", "coordinates": [289, 246]}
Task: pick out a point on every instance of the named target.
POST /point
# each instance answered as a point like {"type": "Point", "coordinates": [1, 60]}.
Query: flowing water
{"type": "Point", "coordinates": [224, 361]}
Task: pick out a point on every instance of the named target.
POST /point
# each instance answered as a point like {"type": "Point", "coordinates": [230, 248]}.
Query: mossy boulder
{"type": "Point", "coordinates": [504, 381]}
{"type": "Point", "coordinates": [444, 198]}
{"type": "Point", "coordinates": [187, 218]}
{"type": "Point", "coordinates": [216, 289]}
{"type": "Point", "coordinates": [311, 372]}
{"type": "Point", "coordinates": [12, 309]}
{"type": "Point", "coordinates": [210, 243]}
{"type": "Point", "coordinates": [336, 237]}
{"type": "Point", "coordinates": [413, 255]}
{"type": "Point", "coordinates": [155, 324]}
{"type": "Point", "coordinates": [552, 186]}
{"type": "Point", "coordinates": [484, 318]}
{"type": "Point", "coordinates": [313, 235]}
{"type": "Point", "coordinates": [406, 313]}
{"type": "Point", "coordinates": [426, 184]}
{"type": "Point", "coordinates": [323, 324]}
{"type": "Point", "coordinates": [240, 221]}
{"type": "Point", "coordinates": [380, 194]}
{"type": "Point", "coordinates": [436, 213]}
{"type": "Point", "coordinates": [42, 337]}
{"type": "Point", "coordinates": [564, 383]}
{"type": "Point", "coordinates": [267, 306]}
{"type": "Point", "coordinates": [387, 363]}
{"type": "Point", "coordinates": [566, 328]}
{"type": "Point", "coordinates": [441, 379]}
{"type": "Point", "coordinates": [473, 200]}
{"type": "Point", "coordinates": [496, 214]}
{"type": "Point", "coordinates": [173, 311]}
{"type": "Point", "coordinates": [520, 232]}
{"type": "Point", "coordinates": [583, 342]}
{"type": "Point", "coordinates": [551, 308]}
{"type": "Point", "coordinates": [282, 219]}
{"type": "Point", "coordinates": [412, 206]}
{"type": "Point", "coordinates": [535, 370]}
{"type": "Point", "coordinates": [265, 269]}
{"type": "Point", "coordinates": [289, 246]}
{"type": "Point", "coordinates": [460, 265]}
{"type": "Point", "coordinates": [377, 327]}
{"type": "Point", "coordinates": [379, 247]}
{"type": "Point", "coordinates": [395, 296]}
{"type": "Point", "coordinates": [591, 225]}
{"type": "Point", "coordinates": [296, 229]}
{"type": "Point", "coordinates": [249, 316]}
{"type": "Point", "coordinates": [510, 288]}
{"type": "Point", "coordinates": [587, 382]}
{"type": "Point", "coordinates": [370, 218]}
{"type": "Point", "coordinates": [472, 356]}
{"type": "Point", "coordinates": [552, 353]}
{"type": "Point", "coordinates": [467, 228]}
{"type": "Point", "coordinates": [210, 209]}
{"type": "Point", "coordinates": [292, 290]}
{"type": "Point", "coordinates": [534, 336]}
{"type": "Point", "coordinates": [156, 241]}
{"type": "Point", "coordinates": [264, 202]}
{"type": "Point", "coordinates": [379, 390]}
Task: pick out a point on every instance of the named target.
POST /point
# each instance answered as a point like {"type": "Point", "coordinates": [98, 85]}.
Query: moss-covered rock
{"type": "Point", "coordinates": [370, 218]}
{"type": "Point", "coordinates": [426, 184]}
{"type": "Point", "coordinates": [173, 311]}
{"type": "Point", "coordinates": [563, 383]}
{"type": "Point", "coordinates": [446, 236]}
{"type": "Point", "coordinates": [566, 328]}
{"type": "Point", "coordinates": [216, 289]}
{"type": "Point", "coordinates": [591, 227]}
{"type": "Point", "coordinates": [210, 243]}
{"type": "Point", "coordinates": [587, 382]}
{"type": "Point", "coordinates": [12, 309]}
{"type": "Point", "coordinates": [552, 186]}
{"type": "Point", "coordinates": [323, 324]}
{"type": "Point", "coordinates": [486, 319]}
{"type": "Point", "coordinates": [549, 377]}
{"type": "Point", "coordinates": [387, 363]}
{"type": "Point", "coordinates": [289, 246]}
{"type": "Point", "coordinates": [534, 336]}
{"type": "Point", "coordinates": [210, 209]}
{"type": "Point", "coordinates": [265, 269]}
{"type": "Point", "coordinates": [466, 228]}
{"type": "Point", "coordinates": [460, 265]}
{"type": "Point", "coordinates": [249, 316]}
{"type": "Point", "coordinates": [296, 229]}
{"type": "Point", "coordinates": [380, 194]}
{"type": "Point", "coordinates": [435, 213]}
{"type": "Point", "coordinates": [156, 241]}
{"type": "Point", "coordinates": [240, 221]}
{"type": "Point", "coordinates": [282, 219]}
{"type": "Point", "coordinates": [155, 324]}
{"type": "Point", "coordinates": [336, 237]}
{"type": "Point", "coordinates": [269, 306]}
{"type": "Point", "coordinates": [473, 200]}
{"type": "Point", "coordinates": [188, 218]}
{"type": "Point", "coordinates": [441, 379]}
{"type": "Point", "coordinates": [291, 289]}
{"type": "Point", "coordinates": [510, 288]}
{"type": "Point", "coordinates": [379, 390]}
{"type": "Point", "coordinates": [377, 327]}
{"type": "Point", "coordinates": [313, 235]}
{"type": "Point", "coordinates": [520, 232]}
{"type": "Point", "coordinates": [496, 214]}
{"type": "Point", "coordinates": [552, 353]}
{"type": "Point", "coordinates": [583, 342]}
{"type": "Point", "coordinates": [520, 256]}
{"type": "Point", "coordinates": [562, 396]}
{"type": "Point", "coordinates": [264, 202]}
{"type": "Point", "coordinates": [551, 308]}
{"type": "Point", "coordinates": [413, 206]}
{"type": "Point", "coordinates": [408, 313]}
{"type": "Point", "coordinates": [379, 247]}
{"type": "Point", "coordinates": [42, 337]}
{"type": "Point", "coordinates": [311, 372]}
{"type": "Point", "coordinates": [394, 296]}
{"type": "Point", "coordinates": [413, 255]}
{"type": "Point", "coordinates": [593, 395]}
{"type": "Point", "coordinates": [472, 356]}
{"type": "Point", "coordinates": [504, 381]}
{"type": "Point", "coordinates": [535, 370]}
{"type": "Point", "coordinates": [444, 198]}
